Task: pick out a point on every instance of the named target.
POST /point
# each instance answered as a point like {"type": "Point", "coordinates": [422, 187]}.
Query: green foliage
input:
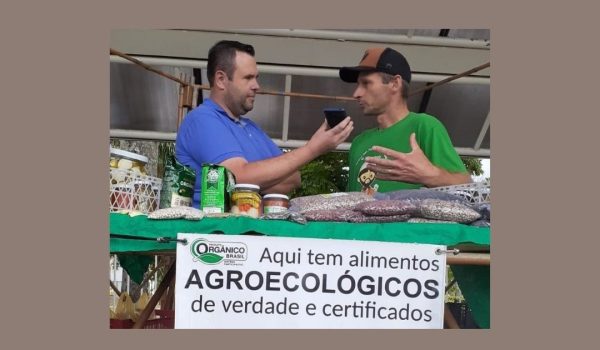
{"type": "Point", "coordinates": [326, 174]}
{"type": "Point", "coordinates": [473, 165]}
{"type": "Point", "coordinates": [453, 295]}
{"type": "Point", "coordinates": [329, 173]}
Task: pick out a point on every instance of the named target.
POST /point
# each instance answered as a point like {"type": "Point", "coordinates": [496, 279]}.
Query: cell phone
{"type": "Point", "coordinates": [334, 116]}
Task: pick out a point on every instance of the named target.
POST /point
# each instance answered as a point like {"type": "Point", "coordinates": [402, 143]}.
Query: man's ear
{"type": "Point", "coordinates": [396, 82]}
{"type": "Point", "coordinates": [220, 78]}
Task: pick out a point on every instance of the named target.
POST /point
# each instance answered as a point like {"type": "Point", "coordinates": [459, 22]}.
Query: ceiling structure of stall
{"type": "Point", "coordinates": [143, 104]}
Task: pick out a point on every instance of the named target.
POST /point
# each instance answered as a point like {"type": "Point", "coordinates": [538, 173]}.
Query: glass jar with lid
{"type": "Point", "coordinates": [246, 200]}
{"type": "Point", "coordinates": [275, 203]}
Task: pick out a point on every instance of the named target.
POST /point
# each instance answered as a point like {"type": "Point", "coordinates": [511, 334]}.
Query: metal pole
{"type": "Point", "coordinates": [305, 71]}
{"type": "Point", "coordinates": [345, 146]}
{"type": "Point", "coordinates": [286, 108]}
{"type": "Point", "coordinates": [469, 259]}
{"type": "Point", "coordinates": [484, 129]}
{"type": "Point", "coordinates": [362, 36]}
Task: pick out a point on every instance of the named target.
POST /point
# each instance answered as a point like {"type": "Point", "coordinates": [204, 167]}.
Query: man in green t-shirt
{"type": "Point", "coordinates": [407, 150]}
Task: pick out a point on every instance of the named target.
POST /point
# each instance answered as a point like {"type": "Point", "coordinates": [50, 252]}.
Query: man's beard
{"type": "Point", "coordinates": [247, 106]}
{"type": "Point", "coordinates": [240, 107]}
{"type": "Point", "coordinates": [370, 112]}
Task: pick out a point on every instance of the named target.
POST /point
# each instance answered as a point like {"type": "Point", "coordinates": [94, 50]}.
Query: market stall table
{"type": "Point", "coordinates": [138, 235]}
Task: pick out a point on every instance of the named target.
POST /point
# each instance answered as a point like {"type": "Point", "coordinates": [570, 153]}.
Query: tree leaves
{"type": "Point", "coordinates": [473, 165]}
{"type": "Point", "coordinates": [326, 174]}
{"type": "Point", "coordinates": [329, 173]}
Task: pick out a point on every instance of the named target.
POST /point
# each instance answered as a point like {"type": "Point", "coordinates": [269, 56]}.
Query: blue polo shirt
{"type": "Point", "coordinates": [208, 135]}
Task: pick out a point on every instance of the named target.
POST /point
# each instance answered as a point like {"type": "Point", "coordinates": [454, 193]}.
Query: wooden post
{"type": "Point", "coordinates": [188, 96]}
{"type": "Point", "coordinates": [169, 276]}
{"type": "Point", "coordinates": [170, 298]}
{"type": "Point", "coordinates": [195, 96]}
{"type": "Point", "coordinates": [117, 291]}
{"type": "Point", "coordinates": [180, 107]}
{"type": "Point", "coordinates": [449, 320]}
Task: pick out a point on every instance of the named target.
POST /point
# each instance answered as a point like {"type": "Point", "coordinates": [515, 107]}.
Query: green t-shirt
{"type": "Point", "coordinates": [431, 136]}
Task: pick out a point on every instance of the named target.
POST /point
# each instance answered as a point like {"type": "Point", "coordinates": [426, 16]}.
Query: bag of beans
{"type": "Point", "coordinates": [446, 210]}
{"type": "Point", "coordinates": [337, 200]}
{"type": "Point", "coordinates": [387, 207]}
{"type": "Point", "coordinates": [419, 194]}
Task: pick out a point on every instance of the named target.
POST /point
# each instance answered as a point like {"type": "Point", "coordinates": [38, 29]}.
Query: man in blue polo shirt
{"type": "Point", "coordinates": [216, 131]}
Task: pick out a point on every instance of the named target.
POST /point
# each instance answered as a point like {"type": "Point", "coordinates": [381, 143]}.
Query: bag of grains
{"type": "Point", "coordinates": [420, 194]}
{"type": "Point", "coordinates": [337, 200]}
{"type": "Point", "coordinates": [387, 207]}
{"type": "Point", "coordinates": [446, 210]}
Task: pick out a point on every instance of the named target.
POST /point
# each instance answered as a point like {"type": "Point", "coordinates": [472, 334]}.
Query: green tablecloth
{"type": "Point", "coordinates": [128, 233]}
{"type": "Point", "coordinates": [138, 234]}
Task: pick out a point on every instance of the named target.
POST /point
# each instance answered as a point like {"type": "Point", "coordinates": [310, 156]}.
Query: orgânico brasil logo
{"type": "Point", "coordinates": [212, 253]}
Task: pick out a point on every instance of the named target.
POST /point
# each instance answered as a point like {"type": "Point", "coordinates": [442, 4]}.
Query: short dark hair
{"type": "Point", "coordinates": [386, 78]}
{"type": "Point", "coordinates": [222, 57]}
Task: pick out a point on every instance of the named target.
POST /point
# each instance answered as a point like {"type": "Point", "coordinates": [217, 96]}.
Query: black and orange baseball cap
{"type": "Point", "coordinates": [385, 60]}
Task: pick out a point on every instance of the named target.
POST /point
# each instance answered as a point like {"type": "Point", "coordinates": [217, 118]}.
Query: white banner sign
{"type": "Point", "coordinates": [274, 282]}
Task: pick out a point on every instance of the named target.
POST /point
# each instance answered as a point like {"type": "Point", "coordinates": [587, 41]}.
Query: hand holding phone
{"type": "Point", "coordinates": [334, 116]}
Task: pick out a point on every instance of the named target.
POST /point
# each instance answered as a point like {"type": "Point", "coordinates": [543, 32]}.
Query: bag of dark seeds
{"type": "Point", "coordinates": [485, 209]}
{"type": "Point", "coordinates": [481, 223]}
